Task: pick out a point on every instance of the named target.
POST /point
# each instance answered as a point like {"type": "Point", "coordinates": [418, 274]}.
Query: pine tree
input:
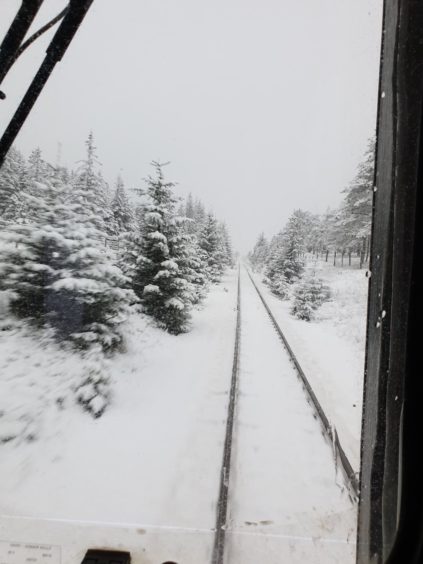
{"type": "Point", "coordinates": [285, 263]}
{"type": "Point", "coordinates": [189, 207]}
{"type": "Point", "coordinates": [293, 246]}
{"type": "Point", "coordinates": [274, 274]}
{"type": "Point", "coordinates": [91, 295]}
{"type": "Point", "coordinates": [354, 219]}
{"type": "Point", "coordinates": [258, 256]}
{"type": "Point", "coordinates": [309, 295]}
{"type": "Point", "coordinates": [108, 217]}
{"type": "Point", "coordinates": [159, 278]}
{"type": "Point", "coordinates": [200, 215]}
{"type": "Point", "coordinates": [28, 255]}
{"type": "Point", "coordinates": [59, 274]}
{"type": "Point", "coordinates": [191, 226]}
{"type": "Point", "coordinates": [211, 243]}
{"type": "Point", "coordinates": [88, 180]}
{"type": "Point", "coordinates": [191, 262]}
{"type": "Point", "coordinates": [123, 215]}
{"type": "Point", "coordinates": [38, 174]}
{"type": "Point", "coordinates": [226, 243]}
{"type": "Point", "coordinates": [357, 206]}
{"type": "Point", "coordinates": [37, 168]}
{"type": "Point", "coordinates": [13, 176]}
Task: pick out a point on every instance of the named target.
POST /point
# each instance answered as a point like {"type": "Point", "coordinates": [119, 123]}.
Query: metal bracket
{"type": "Point", "coordinates": [95, 556]}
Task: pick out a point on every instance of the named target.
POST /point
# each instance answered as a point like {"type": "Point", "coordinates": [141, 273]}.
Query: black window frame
{"type": "Point", "coordinates": [390, 518]}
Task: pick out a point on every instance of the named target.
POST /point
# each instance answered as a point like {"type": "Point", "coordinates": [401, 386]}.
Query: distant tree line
{"type": "Point", "coordinates": [341, 233]}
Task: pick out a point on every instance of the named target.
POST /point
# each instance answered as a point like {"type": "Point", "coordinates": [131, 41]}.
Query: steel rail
{"type": "Point", "coordinates": [329, 430]}
{"type": "Point", "coordinates": [222, 504]}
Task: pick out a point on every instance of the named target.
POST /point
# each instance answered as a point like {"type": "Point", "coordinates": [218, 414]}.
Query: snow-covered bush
{"type": "Point", "coordinates": [280, 287]}
{"type": "Point", "coordinates": [309, 295]}
{"type": "Point", "coordinates": [93, 392]}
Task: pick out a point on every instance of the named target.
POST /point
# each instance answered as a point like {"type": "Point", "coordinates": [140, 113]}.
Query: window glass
{"type": "Point", "coordinates": [185, 222]}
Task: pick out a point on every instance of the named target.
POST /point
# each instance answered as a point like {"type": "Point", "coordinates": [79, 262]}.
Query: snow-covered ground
{"type": "Point", "coordinates": [331, 348]}
{"type": "Point", "coordinates": [145, 476]}
{"type": "Point", "coordinates": [151, 463]}
{"type": "Point", "coordinates": [286, 502]}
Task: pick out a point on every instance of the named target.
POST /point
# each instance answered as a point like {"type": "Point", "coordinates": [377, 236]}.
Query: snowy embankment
{"type": "Point", "coordinates": [331, 349]}
{"type": "Point", "coordinates": [153, 459]}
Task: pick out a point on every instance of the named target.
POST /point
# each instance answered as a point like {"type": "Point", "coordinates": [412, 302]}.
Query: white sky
{"type": "Point", "coordinates": [262, 106]}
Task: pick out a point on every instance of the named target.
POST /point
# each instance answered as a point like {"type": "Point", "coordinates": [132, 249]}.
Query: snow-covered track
{"type": "Point", "coordinates": [222, 503]}
{"type": "Point", "coordinates": [329, 431]}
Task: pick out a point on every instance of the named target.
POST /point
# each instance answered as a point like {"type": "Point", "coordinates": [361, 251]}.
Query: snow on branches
{"type": "Point", "coordinates": [77, 260]}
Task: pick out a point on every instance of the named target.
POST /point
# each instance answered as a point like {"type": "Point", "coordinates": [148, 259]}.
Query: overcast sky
{"type": "Point", "coordinates": [262, 106]}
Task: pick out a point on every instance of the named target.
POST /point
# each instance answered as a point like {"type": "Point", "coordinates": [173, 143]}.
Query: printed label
{"type": "Point", "coordinates": [28, 553]}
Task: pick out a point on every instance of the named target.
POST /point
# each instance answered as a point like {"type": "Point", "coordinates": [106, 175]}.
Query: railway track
{"type": "Point", "coordinates": [222, 504]}
{"type": "Point", "coordinates": [329, 431]}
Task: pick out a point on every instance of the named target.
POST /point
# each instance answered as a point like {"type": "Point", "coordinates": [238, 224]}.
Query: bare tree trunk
{"type": "Point", "coordinates": [349, 258]}
{"type": "Point", "coordinates": [363, 251]}
{"type": "Point", "coordinates": [367, 248]}
{"type": "Point", "coordinates": [334, 258]}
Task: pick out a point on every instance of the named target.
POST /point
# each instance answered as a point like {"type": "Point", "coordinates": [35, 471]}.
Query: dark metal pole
{"type": "Point", "coordinates": [17, 31]}
{"type": "Point", "coordinates": [55, 52]}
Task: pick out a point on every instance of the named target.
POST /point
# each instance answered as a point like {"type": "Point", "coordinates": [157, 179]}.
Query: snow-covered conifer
{"type": "Point", "coordinates": [12, 184]}
{"type": "Point", "coordinates": [293, 246]}
{"type": "Point", "coordinates": [258, 256]}
{"type": "Point", "coordinates": [226, 244]}
{"type": "Point", "coordinates": [88, 180]}
{"type": "Point", "coordinates": [123, 214]}
{"type": "Point", "coordinates": [90, 294]}
{"type": "Point", "coordinates": [189, 207]}
{"type": "Point", "coordinates": [200, 215]}
{"type": "Point", "coordinates": [159, 278]}
{"type": "Point", "coordinates": [58, 271]}
{"type": "Point", "coordinates": [209, 243]}
{"type": "Point", "coordinates": [28, 254]}
{"type": "Point", "coordinates": [285, 262]}
{"type": "Point", "coordinates": [309, 295]}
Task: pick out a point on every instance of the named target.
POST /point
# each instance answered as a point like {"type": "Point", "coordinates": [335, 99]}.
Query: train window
{"type": "Point", "coordinates": [195, 199]}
